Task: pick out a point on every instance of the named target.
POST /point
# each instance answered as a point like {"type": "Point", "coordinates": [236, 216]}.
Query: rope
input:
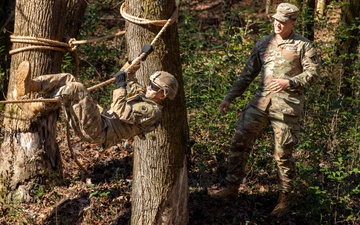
{"type": "Point", "coordinates": [137, 20]}
{"type": "Point", "coordinates": [30, 100]}
{"type": "Point", "coordinates": [47, 44]}
{"type": "Point", "coordinates": [44, 43]}
{"type": "Point", "coordinates": [73, 155]}
{"type": "Point", "coordinates": [72, 45]}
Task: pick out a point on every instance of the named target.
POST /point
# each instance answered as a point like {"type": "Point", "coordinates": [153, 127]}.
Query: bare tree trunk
{"type": "Point", "coordinates": [320, 8]}
{"type": "Point", "coordinates": [268, 5]}
{"type": "Point", "coordinates": [160, 184]}
{"type": "Point", "coordinates": [29, 153]}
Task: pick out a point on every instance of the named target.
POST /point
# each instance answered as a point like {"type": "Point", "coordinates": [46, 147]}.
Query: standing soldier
{"type": "Point", "coordinates": [287, 63]}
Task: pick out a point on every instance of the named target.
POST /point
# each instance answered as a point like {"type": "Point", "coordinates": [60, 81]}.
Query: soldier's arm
{"type": "Point", "coordinates": [310, 64]}
{"type": "Point", "coordinates": [249, 73]}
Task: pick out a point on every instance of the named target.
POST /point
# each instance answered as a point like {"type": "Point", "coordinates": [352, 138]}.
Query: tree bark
{"type": "Point", "coordinates": [267, 6]}
{"type": "Point", "coordinates": [320, 8]}
{"type": "Point", "coordinates": [29, 153]}
{"type": "Point", "coordinates": [160, 186]}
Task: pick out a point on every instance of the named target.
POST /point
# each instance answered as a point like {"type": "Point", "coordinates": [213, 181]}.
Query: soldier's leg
{"type": "Point", "coordinates": [44, 84]}
{"type": "Point", "coordinates": [84, 115]}
{"type": "Point", "coordinates": [250, 126]}
{"type": "Point", "coordinates": [52, 82]}
{"type": "Point", "coordinates": [286, 138]}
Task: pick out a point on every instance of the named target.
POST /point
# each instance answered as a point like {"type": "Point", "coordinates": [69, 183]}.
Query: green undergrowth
{"type": "Point", "coordinates": [327, 157]}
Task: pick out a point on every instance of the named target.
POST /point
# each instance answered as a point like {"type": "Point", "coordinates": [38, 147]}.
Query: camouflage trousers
{"type": "Point", "coordinates": [83, 114]}
{"type": "Point", "coordinates": [250, 125]}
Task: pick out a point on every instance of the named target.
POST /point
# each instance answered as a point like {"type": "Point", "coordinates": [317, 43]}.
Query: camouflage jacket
{"type": "Point", "coordinates": [294, 58]}
{"type": "Point", "coordinates": [130, 114]}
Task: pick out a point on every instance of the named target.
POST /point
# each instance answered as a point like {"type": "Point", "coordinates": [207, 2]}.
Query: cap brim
{"type": "Point", "coordinates": [280, 17]}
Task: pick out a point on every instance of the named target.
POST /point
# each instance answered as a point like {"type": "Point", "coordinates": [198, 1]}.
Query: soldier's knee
{"type": "Point", "coordinates": [242, 139]}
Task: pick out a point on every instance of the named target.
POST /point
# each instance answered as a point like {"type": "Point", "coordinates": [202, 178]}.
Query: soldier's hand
{"type": "Point", "coordinates": [120, 78]}
{"type": "Point", "coordinates": [224, 107]}
{"type": "Point", "coordinates": [278, 85]}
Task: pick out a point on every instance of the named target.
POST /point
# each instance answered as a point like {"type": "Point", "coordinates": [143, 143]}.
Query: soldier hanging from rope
{"type": "Point", "coordinates": [131, 113]}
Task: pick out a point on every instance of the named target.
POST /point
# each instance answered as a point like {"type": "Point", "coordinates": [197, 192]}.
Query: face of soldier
{"type": "Point", "coordinates": [153, 92]}
{"type": "Point", "coordinates": [283, 29]}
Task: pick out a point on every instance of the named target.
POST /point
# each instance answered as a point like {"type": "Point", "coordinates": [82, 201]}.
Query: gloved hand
{"type": "Point", "coordinates": [147, 49]}
{"type": "Point", "coordinates": [120, 79]}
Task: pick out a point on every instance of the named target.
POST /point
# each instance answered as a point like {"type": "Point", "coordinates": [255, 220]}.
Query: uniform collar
{"type": "Point", "coordinates": [289, 39]}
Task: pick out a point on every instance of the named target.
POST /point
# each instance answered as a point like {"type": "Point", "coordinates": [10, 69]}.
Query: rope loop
{"type": "Point", "coordinates": [142, 21]}
{"type": "Point", "coordinates": [71, 44]}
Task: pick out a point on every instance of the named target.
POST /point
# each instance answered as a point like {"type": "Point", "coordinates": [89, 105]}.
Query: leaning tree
{"type": "Point", "coordinates": [160, 187]}
{"type": "Point", "coordinates": [29, 154]}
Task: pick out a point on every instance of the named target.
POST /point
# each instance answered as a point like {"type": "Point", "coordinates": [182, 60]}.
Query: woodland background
{"type": "Point", "coordinates": [216, 37]}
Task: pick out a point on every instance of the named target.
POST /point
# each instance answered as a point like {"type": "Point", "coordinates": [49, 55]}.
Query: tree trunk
{"type": "Point", "coordinates": [267, 6]}
{"type": "Point", "coordinates": [160, 186]}
{"type": "Point", "coordinates": [349, 47]}
{"type": "Point", "coordinates": [320, 8]}
{"type": "Point", "coordinates": [29, 153]}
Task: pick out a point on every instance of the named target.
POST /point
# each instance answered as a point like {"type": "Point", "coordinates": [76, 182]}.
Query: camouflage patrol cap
{"type": "Point", "coordinates": [286, 12]}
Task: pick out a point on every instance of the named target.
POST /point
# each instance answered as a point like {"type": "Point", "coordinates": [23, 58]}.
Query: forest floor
{"type": "Point", "coordinates": [104, 195]}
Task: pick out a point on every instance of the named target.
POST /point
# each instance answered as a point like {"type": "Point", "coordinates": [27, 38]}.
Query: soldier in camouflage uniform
{"type": "Point", "coordinates": [132, 113]}
{"type": "Point", "coordinates": [287, 63]}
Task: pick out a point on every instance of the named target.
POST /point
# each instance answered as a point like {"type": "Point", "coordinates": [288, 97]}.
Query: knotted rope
{"type": "Point", "coordinates": [60, 46]}
{"type": "Point", "coordinates": [47, 44]}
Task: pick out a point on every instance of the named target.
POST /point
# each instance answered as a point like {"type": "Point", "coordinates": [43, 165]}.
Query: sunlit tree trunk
{"type": "Point", "coordinates": [29, 153]}
{"type": "Point", "coordinates": [160, 187]}
{"type": "Point", "coordinates": [268, 5]}
{"type": "Point", "coordinates": [320, 8]}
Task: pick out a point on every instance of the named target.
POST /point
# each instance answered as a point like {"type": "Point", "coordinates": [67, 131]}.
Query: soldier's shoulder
{"type": "Point", "coordinates": [298, 37]}
{"type": "Point", "coordinates": [264, 41]}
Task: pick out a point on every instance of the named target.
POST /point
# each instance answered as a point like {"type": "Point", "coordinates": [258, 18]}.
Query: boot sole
{"type": "Point", "coordinates": [23, 78]}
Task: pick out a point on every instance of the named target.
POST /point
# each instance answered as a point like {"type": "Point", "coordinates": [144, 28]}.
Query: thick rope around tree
{"type": "Point", "coordinates": [47, 44]}
{"type": "Point", "coordinates": [43, 43]}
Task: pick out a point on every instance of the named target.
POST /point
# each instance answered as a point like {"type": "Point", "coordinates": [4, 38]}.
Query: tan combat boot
{"type": "Point", "coordinates": [229, 192]}
{"type": "Point", "coordinates": [283, 205]}
{"type": "Point", "coordinates": [25, 85]}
